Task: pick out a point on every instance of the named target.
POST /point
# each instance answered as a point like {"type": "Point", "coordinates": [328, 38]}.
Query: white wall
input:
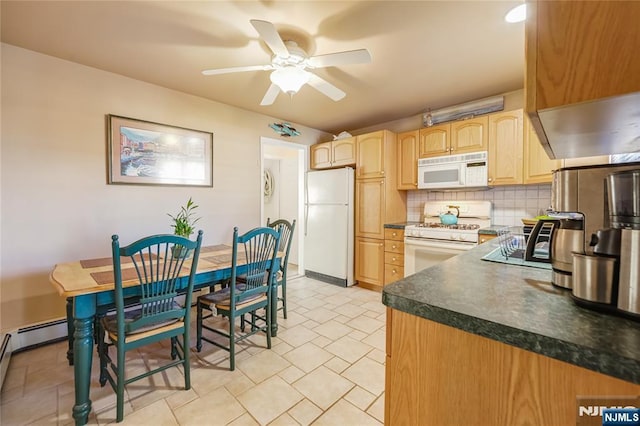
{"type": "Point", "coordinates": [55, 203]}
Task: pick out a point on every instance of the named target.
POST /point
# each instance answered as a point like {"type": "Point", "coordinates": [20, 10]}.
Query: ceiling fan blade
{"type": "Point", "coordinates": [360, 56]}
{"type": "Point", "coordinates": [326, 88]}
{"type": "Point", "coordinates": [271, 37]}
{"type": "Point", "coordinates": [271, 95]}
{"type": "Point", "coordinates": [237, 69]}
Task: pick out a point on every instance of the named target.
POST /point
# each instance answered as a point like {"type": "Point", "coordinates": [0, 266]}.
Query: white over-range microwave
{"type": "Point", "coordinates": [453, 171]}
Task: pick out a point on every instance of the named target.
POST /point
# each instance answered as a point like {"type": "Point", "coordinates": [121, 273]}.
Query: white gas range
{"type": "Point", "coordinates": [431, 242]}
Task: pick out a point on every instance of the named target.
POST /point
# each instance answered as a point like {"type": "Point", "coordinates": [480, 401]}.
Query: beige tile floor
{"type": "Point", "coordinates": [326, 367]}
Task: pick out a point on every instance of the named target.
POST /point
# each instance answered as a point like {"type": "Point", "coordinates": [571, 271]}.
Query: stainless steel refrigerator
{"type": "Point", "coordinates": [329, 224]}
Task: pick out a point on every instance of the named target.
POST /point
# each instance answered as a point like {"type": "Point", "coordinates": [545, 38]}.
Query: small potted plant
{"type": "Point", "coordinates": [184, 221]}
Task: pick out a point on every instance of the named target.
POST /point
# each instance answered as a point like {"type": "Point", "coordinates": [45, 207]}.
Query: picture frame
{"type": "Point", "coordinates": [147, 153]}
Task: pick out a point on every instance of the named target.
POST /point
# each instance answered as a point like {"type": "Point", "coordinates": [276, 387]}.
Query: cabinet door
{"type": "Point", "coordinates": [370, 204]}
{"type": "Point", "coordinates": [370, 154]}
{"type": "Point", "coordinates": [469, 135]}
{"type": "Point", "coordinates": [408, 160]}
{"type": "Point", "coordinates": [392, 273]}
{"type": "Point", "coordinates": [505, 148]}
{"type": "Point", "coordinates": [320, 155]}
{"type": "Point", "coordinates": [538, 167]}
{"type": "Point", "coordinates": [565, 67]}
{"type": "Point", "coordinates": [434, 141]}
{"type": "Point", "coordinates": [344, 152]}
{"type": "Point", "coordinates": [370, 261]}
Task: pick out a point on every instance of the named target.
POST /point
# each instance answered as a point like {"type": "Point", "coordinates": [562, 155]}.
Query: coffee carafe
{"type": "Point", "coordinates": [566, 238]}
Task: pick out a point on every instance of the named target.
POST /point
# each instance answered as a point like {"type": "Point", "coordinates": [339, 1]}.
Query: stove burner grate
{"type": "Point", "coordinates": [461, 226]}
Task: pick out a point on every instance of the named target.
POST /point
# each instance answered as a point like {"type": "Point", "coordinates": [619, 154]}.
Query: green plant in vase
{"type": "Point", "coordinates": [184, 221]}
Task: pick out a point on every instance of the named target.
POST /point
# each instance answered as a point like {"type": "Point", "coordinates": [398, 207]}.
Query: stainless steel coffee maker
{"type": "Point", "coordinates": [579, 195]}
{"type": "Point", "coordinates": [624, 210]}
{"type": "Point", "coordinates": [609, 278]}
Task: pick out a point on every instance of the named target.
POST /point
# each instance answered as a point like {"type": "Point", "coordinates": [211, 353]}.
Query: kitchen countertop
{"type": "Point", "coordinates": [400, 225]}
{"type": "Point", "coordinates": [519, 306]}
{"type": "Point", "coordinates": [490, 230]}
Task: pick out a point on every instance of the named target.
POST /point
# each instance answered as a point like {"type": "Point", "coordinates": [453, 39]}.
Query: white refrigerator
{"type": "Point", "coordinates": [329, 225]}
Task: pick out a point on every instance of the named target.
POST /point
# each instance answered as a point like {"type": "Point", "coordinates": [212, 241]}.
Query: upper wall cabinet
{"type": "Point", "coordinates": [505, 148]}
{"type": "Point", "coordinates": [457, 137]}
{"type": "Point", "coordinates": [407, 143]}
{"type": "Point", "coordinates": [435, 141]}
{"type": "Point", "coordinates": [583, 76]}
{"type": "Point", "coordinates": [469, 135]}
{"type": "Point", "coordinates": [375, 154]}
{"type": "Point", "coordinates": [538, 167]}
{"type": "Point", "coordinates": [338, 153]}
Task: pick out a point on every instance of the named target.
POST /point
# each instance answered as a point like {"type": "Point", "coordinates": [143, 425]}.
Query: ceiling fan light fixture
{"type": "Point", "coordinates": [290, 79]}
{"type": "Point", "coordinates": [517, 14]}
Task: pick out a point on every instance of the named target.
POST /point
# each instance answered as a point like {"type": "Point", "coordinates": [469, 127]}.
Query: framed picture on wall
{"type": "Point", "coordinates": [146, 153]}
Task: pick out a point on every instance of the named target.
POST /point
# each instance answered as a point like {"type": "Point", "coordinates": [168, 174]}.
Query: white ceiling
{"type": "Point", "coordinates": [426, 54]}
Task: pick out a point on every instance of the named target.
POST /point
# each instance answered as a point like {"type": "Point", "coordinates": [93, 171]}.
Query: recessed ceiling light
{"type": "Point", "coordinates": [517, 14]}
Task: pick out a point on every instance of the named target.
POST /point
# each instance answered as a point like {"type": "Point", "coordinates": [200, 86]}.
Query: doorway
{"type": "Point", "coordinates": [283, 170]}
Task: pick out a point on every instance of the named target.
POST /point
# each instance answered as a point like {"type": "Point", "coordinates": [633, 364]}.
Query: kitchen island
{"type": "Point", "coordinates": [477, 342]}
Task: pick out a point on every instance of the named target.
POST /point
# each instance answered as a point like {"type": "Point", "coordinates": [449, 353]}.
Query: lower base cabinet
{"type": "Point", "coordinates": [393, 255]}
{"type": "Point", "coordinates": [440, 375]}
{"type": "Point", "coordinates": [370, 263]}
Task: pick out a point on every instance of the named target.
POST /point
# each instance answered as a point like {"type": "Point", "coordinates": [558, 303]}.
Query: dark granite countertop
{"type": "Point", "coordinates": [490, 230]}
{"type": "Point", "coordinates": [517, 305]}
{"type": "Point", "coordinates": [399, 225]}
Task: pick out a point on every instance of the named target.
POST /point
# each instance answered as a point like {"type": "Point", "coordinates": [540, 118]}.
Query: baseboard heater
{"type": "Point", "coordinates": [5, 356]}
{"type": "Point", "coordinates": [27, 338]}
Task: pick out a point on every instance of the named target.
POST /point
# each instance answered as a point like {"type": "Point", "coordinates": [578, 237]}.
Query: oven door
{"type": "Point", "coordinates": [422, 253]}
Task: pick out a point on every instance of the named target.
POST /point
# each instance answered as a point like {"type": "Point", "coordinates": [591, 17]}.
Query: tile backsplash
{"type": "Point", "coordinates": [510, 203]}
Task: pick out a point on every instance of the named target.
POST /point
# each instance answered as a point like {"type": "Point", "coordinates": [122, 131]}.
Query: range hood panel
{"type": "Point", "coordinates": [600, 127]}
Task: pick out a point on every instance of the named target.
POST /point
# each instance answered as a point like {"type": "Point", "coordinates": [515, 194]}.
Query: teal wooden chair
{"type": "Point", "coordinates": [159, 266]}
{"type": "Point", "coordinates": [256, 251]}
{"type": "Point", "coordinates": [285, 229]}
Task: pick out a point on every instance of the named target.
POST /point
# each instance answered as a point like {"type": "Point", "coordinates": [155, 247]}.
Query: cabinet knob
{"type": "Point", "coordinates": [490, 180]}
{"type": "Point", "coordinates": [393, 246]}
{"type": "Point", "coordinates": [381, 182]}
{"type": "Point", "coordinates": [394, 234]}
{"type": "Point", "coordinates": [380, 245]}
{"type": "Point", "coordinates": [394, 258]}
{"type": "Point", "coordinates": [393, 271]}
{"type": "Point", "coordinates": [382, 172]}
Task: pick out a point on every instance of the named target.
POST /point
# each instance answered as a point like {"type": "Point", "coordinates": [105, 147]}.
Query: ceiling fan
{"type": "Point", "coordinates": [290, 65]}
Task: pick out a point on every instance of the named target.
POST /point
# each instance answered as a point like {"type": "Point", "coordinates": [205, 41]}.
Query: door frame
{"type": "Point", "coordinates": [302, 156]}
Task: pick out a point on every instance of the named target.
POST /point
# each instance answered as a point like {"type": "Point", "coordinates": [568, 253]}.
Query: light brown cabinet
{"type": "Point", "coordinates": [372, 148]}
{"type": "Point", "coordinates": [435, 141]}
{"type": "Point", "coordinates": [370, 199]}
{"type": "Point", "coordinates": [565, 67]}
{"type": "Point", "coordinates": [370, 263]}
{"type": "Point", "coordinates": [426, 378]}
{"type": "Point", "coordinates": [407, 143]}
{"type": "Point", "coordinates": [505, 148]}
{"type": "Point", "coordinates": [573, 81]}
{"type": "Point", "coordinates": [457, 137]}
{"type": "Point", "coordinates": [393, 255]}
{"type": "Point", "coordinates": [337, 153]}
{"type": "Point", "coordinates": [538, 167]}
{"type": "Point", "coordinates": [469, 135]}
{"type": "Point", "coordinates": [378, 201]}
{"type": "Point", "coordinates": [483, 238]}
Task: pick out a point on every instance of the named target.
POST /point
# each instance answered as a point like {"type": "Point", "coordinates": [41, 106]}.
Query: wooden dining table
{"type": "Point", "coordinates": [89, 288]}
